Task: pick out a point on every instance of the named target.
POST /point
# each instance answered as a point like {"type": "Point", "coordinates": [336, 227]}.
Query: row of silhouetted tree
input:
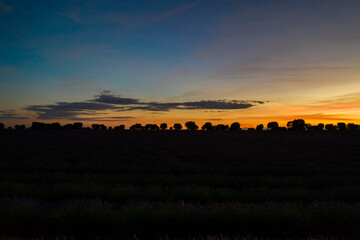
{"type": "Point", "coordinates": [295, 125]}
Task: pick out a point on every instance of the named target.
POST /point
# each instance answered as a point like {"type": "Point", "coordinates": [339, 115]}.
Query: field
{"type": "Point", "coordinates": [179, 184]}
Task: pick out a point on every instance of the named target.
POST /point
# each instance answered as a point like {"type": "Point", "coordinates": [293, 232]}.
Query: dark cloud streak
{"type": "Point", "coordinates": [107, 101]}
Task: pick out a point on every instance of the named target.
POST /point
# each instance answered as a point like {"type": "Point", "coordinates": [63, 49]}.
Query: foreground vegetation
{"type": "Point", "coordinates": [179, 184]}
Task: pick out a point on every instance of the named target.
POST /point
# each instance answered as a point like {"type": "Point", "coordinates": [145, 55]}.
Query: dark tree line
{"type": "Point", "coordinates": [295, 125]}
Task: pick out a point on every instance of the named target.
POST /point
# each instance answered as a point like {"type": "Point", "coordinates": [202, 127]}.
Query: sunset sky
{"type": "Point", "coordinates": [126, 62]}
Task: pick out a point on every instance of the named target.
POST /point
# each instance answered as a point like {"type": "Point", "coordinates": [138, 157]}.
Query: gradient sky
{"type": "Point", "coordinates": [122, 62]}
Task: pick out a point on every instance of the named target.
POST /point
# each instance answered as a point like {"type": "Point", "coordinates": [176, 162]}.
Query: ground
{"type": "Point", "coordinates": [179, 184]}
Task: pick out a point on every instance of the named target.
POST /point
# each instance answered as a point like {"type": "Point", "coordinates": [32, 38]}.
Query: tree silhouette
{"type": "Point", "coordinates": [147, 126]}
{"type": "Point", "coordinates": [120, 127]}
{"type": "Point", "coordinates": [330, 127]}
{"type": "Point", "coordinates": [353, 127]}
{"type": "Point", "coordinates": [78, 125]}
{"type": "Point", "coordinates": [273, 125]}
{"type": "Point", "coordinates": [20, 127]}
{"type": "Point", "coordinates": [163, 126]}
{"type": "Point", "coordinates": [37, 125]}
{"type": "Point", "coordinates": [259, 127]}
{"type": "Point", "coordinates": [221, 127]}
{"type": "Point", "coordinates": [296, 125]}
{"type": "Point", "coordinates": [235, 126]}
{"type": "Point", "coordinates": [320, 127]}
{"type": "Point", "coordinates": [2, 126]}
{"type": "Point", "coordinates": [207, 126]}
{"type": "Point", "coordinates": [341, 126]}
{"type": "Point", "coordinates": [68, 126]}
{"type": "Point", "coordinates": [95, 126]}
{"type": "Point", "coordinates": [177, 126]}
{"type": "Point", "coordinates": [54, 126]}
{"type": "Point", "coordinates": [137, 126]}
{"type": "Point", "coordinates": [190, 125]}
{"type": "Point", "coordinates": [154, 127]}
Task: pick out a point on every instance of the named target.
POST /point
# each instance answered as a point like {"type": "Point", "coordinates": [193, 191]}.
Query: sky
{"type": "Point", "coordinates": [126, 62]}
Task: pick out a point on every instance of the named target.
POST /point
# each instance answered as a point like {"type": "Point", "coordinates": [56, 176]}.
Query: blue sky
{"type": "Point", "coordinates": [292, 55]}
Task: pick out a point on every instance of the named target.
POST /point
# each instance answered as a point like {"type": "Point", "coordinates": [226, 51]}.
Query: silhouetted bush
{"type": "Point", "coordinates": [54, 126]}
{"type": "Point", "coordinates": [95, 126]}
{"type": "Point", "coordinates": [207, 126]}
{"type": "Point", "coordinates": [221, 127]}
{"type": "Point", "coordinates": [296, 125]}
{"type": "Point", "coordinates": [68, 126]}
{"type": "Point", "coordinates": [341, 126]}
{"type": "Point", "coordinates": [251, 129]}
{"type": "Point", "coordinates": [235, 126]}
{"type": "Point", "coordinates": [190, 125]}
{"type": "Point", "coordinates": [20, 127]}
{"type": "Point", "coordinates": [2, 126]}
{"type": "Point", "coordinates": [177, 126]}
{"type": "Point", "coordinates": [163, 126]}
{"type": "Point", "coordinates": [273, 126]}
{"type": "Point", "coordinates": [154, 127]}
{"type": "Point", "coordinates": [78, 125]}
{"type": "Point", "coordinates": [137, 126]}
{"type": "Point", "coordinates": [259, 127]}
{"type": "Point", "coordinates": [151, 127]}
{"type": "Point", "coordinates": [38, 125]}
{"type": "Point", "coordinates": [353, 127]}
{"type": "Point", "coordinates": [320, 127]}
{"type": "Point", "coordinates": [330, 127]}
{"type": "Point", "coordinates": [120, 127]}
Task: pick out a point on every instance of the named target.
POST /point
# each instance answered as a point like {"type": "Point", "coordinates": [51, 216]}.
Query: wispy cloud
{"type": "Point", "coordinates": [93, 15]}
{"type": "Point", "coordinates": [4, 8]}
{"type": "Point", "coordinates": [338, 103]}
{"type": "Point", "coordinates": [10, 114]}
{"type": "Point", "coordinates": [174, 12]}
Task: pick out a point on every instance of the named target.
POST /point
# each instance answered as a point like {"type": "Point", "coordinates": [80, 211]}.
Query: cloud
{"type": "Point", "coordinates": [174, 12]}
{"type": "Point", "coordinates": [10, 114]}
{"type": "Point", "coordinates": [219, 104]}
{"type": "Point", "coordinates": [94, 14]}
{"type": "Point", "coordinates": [66, 110]}
{"type": "Point", "coordinates": [108, 101]}
{"type": "Point", "coordinates": [4, 8]}
{"type": "Point", "coordinates": [197, 105]}
{"type": "Point", "coordinates": [108, 119]}
{"type": "Point", "coordinates": [107, 97]}
{"type": "Point", "coordinates": [346, 102]}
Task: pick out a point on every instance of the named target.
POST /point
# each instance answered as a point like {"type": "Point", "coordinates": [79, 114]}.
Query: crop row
{"type": "Point", "coordinates": [205, 180]}
{"type": "Point", "coordinates": [121, 193]}
{"type": "Point", "coordinates": [99, 218]}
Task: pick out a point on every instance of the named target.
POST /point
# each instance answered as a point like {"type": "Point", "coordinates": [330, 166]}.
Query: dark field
{"type": "Point", "coordinates": [179, 184]}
